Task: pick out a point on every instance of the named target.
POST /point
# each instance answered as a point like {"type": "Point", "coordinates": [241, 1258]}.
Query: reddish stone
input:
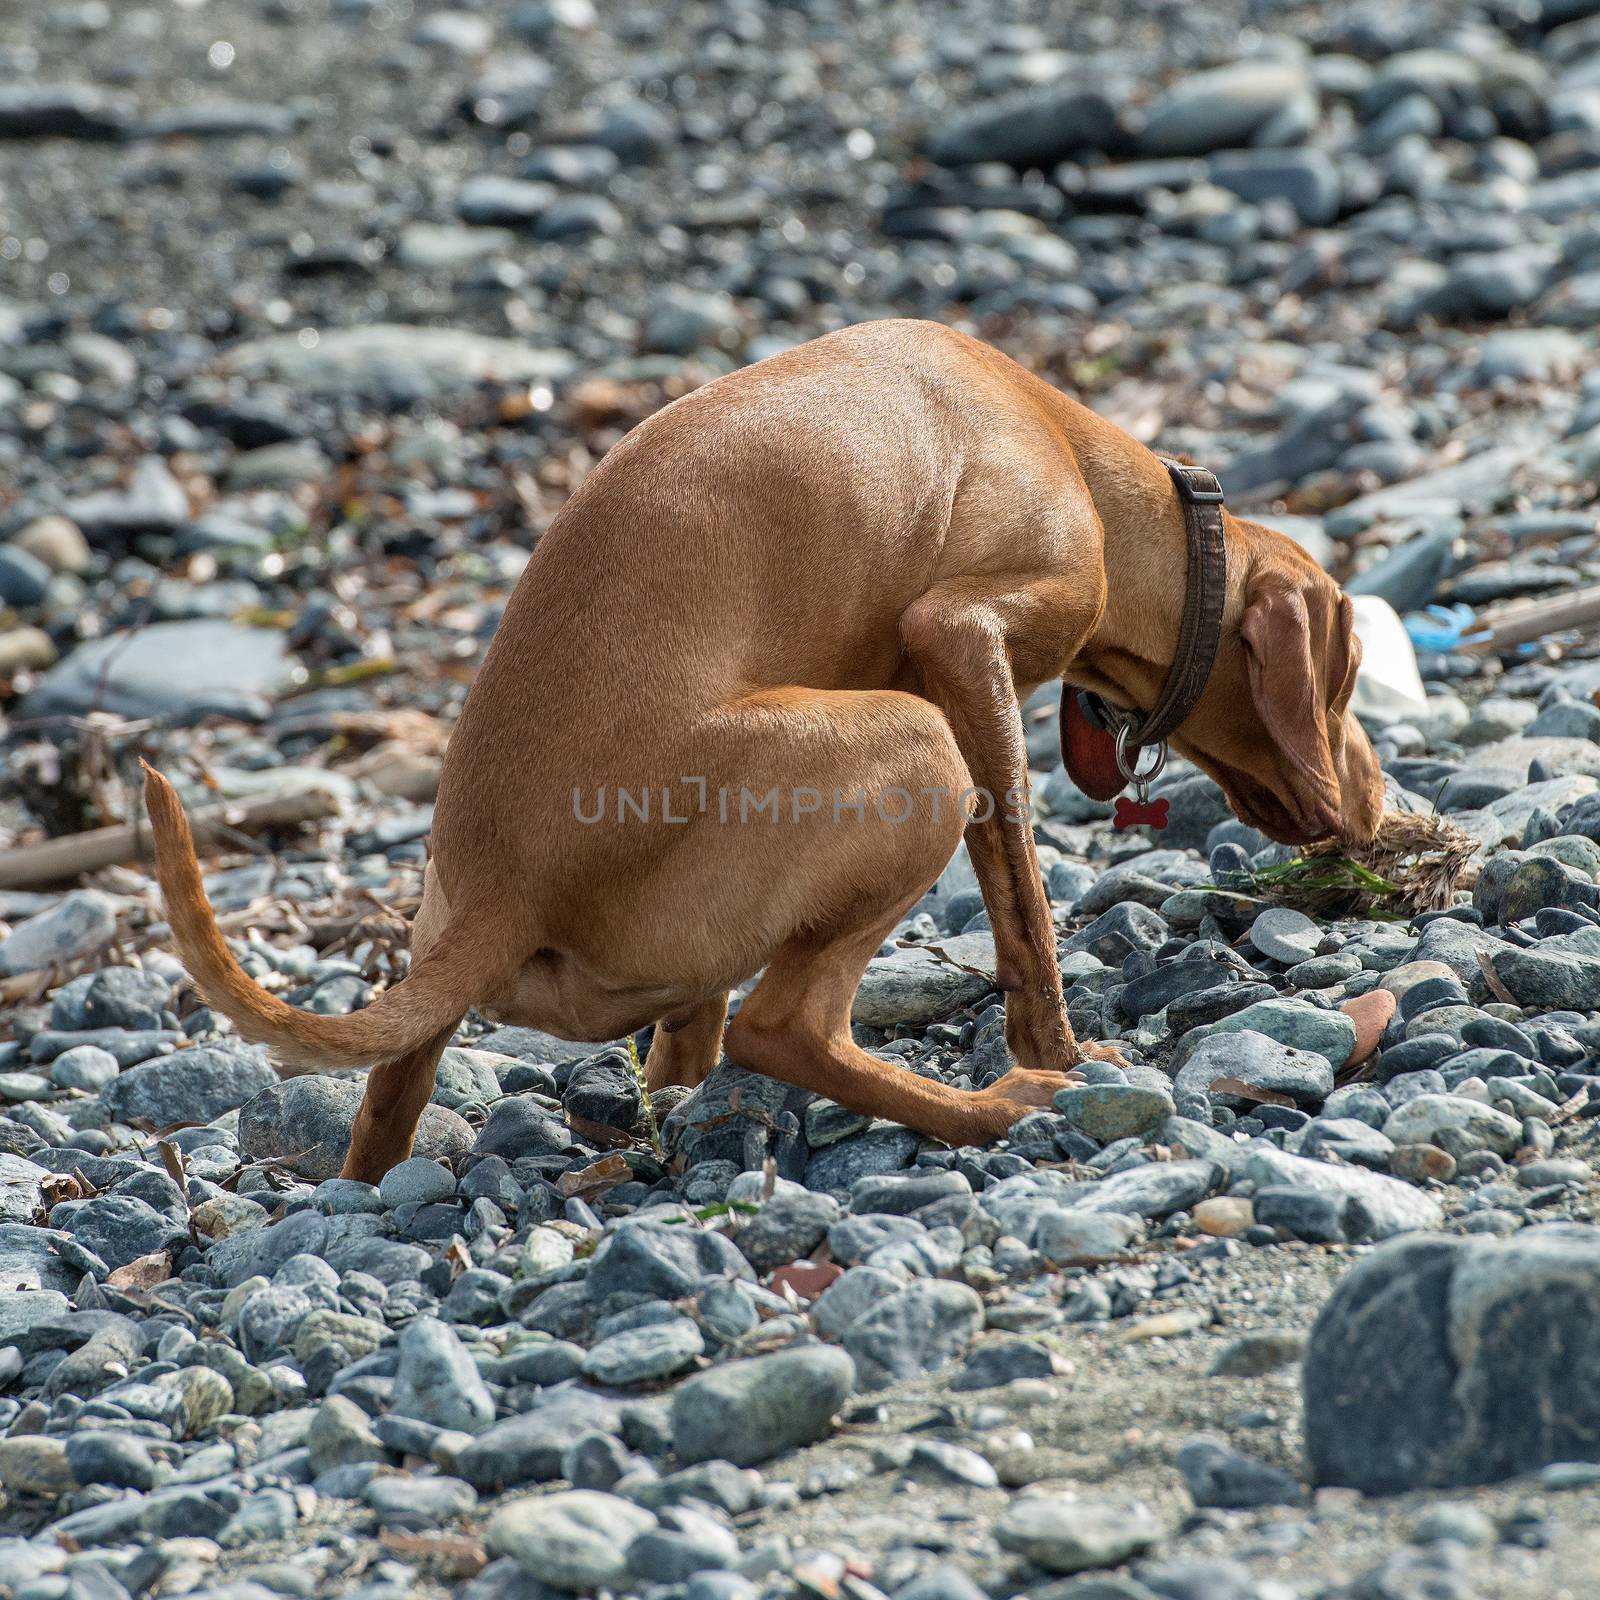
{"type": "Point", "coordinates": [807, 1278]}
{"type": "Point", "coordinates": [1371, 1013]}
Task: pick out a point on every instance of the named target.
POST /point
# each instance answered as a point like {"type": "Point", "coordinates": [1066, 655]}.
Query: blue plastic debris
{"type": "Point", "coordinates": [1442, 627]}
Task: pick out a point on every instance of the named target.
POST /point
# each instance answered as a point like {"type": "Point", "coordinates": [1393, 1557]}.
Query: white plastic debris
{"type": "Point", "coordinates": [1388, 686]}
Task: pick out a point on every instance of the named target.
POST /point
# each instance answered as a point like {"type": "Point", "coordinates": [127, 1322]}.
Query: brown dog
{"type": "Point", "coordinates": [831, 574]}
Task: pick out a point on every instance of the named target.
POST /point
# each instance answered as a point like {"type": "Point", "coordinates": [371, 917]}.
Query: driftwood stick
{"type": "Point", "coordinates": [61, 860]}
{"type": "Point", "coordinates": [1526, 620]}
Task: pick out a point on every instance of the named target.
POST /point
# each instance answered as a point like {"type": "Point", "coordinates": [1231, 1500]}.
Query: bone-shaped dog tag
{"type": "Point", "coordinates": [1140, 813]}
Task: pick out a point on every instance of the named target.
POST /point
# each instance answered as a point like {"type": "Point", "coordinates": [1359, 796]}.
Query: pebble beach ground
{"type": "Point", "coordinates": [312, 313]}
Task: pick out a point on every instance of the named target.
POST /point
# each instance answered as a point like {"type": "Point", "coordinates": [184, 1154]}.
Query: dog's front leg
{"type": "Point", "coordinates": [967, 639]}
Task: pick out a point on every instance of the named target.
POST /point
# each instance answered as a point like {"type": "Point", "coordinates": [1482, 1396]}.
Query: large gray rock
{"type": "Point", "coordinates": [926, 983]}
{"type": "Point", "coordinates": [263, 1250]}
{"type": "Point", "coordinates": [1454, 1123]}
{"type": "Point", "coordinates": [1153, 1190]}
{"type": "Point", "coordinates": [84, 921]}
{"type": "Point", "coordinates": [190, 1085]}
{"type": "Point", "coordinates": [156, 672]}
{"type": "Point", "coordinates": [1549, 981]}
{"type": "Point", "coordinates": [728, 1118]}
{"type": "Point", "coordinates": [1306, 1076]}
{"type": "Point", "coordinates": [118, 1228]}
{"type": "Point", "coordinates": [1298, 1024]}
{"type": "Point", "coordinates": [1071, 1535]}
{"type": "Point", "coordinates": [1307, 179]}
{"type": "Point", "coordinates": [576, 1541]}
{"type": "Point", "coordinates": [749, 1411]}
{"type": "Point", "coordinates": [31, 1260]}
{"type": "Point", "coordinates": [661, 1261]}
{"type": "Point", "coordinates": [1221, 109]}
{"type": "Point", "coordinates": [20, 1192]}
{"type": "Point", "coordinates": [1449, 1361]}
{"type": "Point", "coordinates": [1028, 130]}
{"type": "Point", "coordinates": [304, 1124]}
{"type": "Point", "coordinates": [395, 361]}
{"type": "Point", "coordinates": [924, 1327]}
{"type": "Point", "coordinates": [438, 1380]}
{"type": "Point", "coordinates": [1374, 1206]}
{"type": "Point", "coordinates": [528, 1448]}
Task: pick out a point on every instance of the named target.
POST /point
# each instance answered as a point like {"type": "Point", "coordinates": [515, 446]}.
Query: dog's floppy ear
{"type": "Point", "coordinates": [1302, 655]}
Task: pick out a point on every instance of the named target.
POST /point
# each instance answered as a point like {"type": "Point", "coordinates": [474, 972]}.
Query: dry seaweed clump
{"type": "Point", "coordinates": [1414, 863]}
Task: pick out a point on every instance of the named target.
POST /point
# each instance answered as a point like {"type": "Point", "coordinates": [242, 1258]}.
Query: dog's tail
{"type": "Point", "coordinates": [433, 998]}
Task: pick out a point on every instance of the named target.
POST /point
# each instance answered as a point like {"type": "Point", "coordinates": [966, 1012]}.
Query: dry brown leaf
{"type": "Point", "coordinates": [172, 1160]}
{"type": "Point", "coordinates": [1167, 1324]}
{"type": "Point", "coordinates": [600, 1133]}
{"type": "Point", "coordinates": [596, 1178]}
{"type": "Point", "coordinates": [1496, 987]}
{"type": "Point", "coordinates": [452, 1556]}
{"type": "Point", "coordinates": [145, 1273]}
{"type": "Point", "coordinates": [1241, 1090]}
{"type": "Point", "coordinates": [61, 1186]}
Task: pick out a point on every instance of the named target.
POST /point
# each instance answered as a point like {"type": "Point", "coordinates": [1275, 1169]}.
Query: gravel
{"type": "Point", "coordinates": [313, 316]}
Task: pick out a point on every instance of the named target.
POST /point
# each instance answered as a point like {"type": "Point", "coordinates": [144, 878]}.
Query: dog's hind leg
{"type": "Point", "coordinates": [796, 1027]}
{"type": "Point", "coordinates": [686, 1045]}
{"type": "Point", "coordinates": [832, 879]}
{"type": "Point", "coordinates": [397, 1094]}
{"type": "Point", "coordinates": [398, 1091]}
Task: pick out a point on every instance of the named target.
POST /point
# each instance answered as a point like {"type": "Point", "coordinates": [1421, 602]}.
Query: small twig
{"type": "Point", "coordinates": [177, 1170]}
{"type": "Point", "coordinates": [61, 860]}
{"type": "Point", "coordinates": [1496, 987]}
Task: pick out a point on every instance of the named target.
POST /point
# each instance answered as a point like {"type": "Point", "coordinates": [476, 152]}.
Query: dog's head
{"type": "Point", "coordinates": [1274, 726]}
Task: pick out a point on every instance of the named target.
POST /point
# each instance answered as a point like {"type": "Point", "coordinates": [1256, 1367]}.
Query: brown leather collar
{"type": "Point", "coordinates": [1096, 764]}
{"type": "Point", "coordinates": [1205, 594]}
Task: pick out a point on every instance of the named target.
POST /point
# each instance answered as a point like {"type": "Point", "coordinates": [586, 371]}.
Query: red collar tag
{"type": "Point", "coordinates": [1140, 813]}
{"type": "Point", "coordinates": [1089, 753]}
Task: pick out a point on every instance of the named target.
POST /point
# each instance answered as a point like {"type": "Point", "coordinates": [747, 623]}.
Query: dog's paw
{"type": "Point", "coordinates": [1028, 1087]}
{"type": "Point", "coordinates": [1101, 1052]}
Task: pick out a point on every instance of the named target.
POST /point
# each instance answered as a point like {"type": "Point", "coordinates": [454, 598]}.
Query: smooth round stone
{"type": "Point", "coordinates": [1361, 1101]}
{"type": "Point", "coordinates": [1111, 1111]}
{"type": "Point", "coordinates": [20, 1087]}
{"type": "Point", "coordinates": [416, 1181]}
{"type": "Point", "coordinates": [1285, 935]}
{"type": "Point", "coordinates": [1330, 1034]}
{"type": "Point", "coordinates": [1224, 1216]}
{"type": "Point", "coordinates": [577, 1540]}
{"type": "Point", "coordinates": [1574, 849]}
{"type": "Point", "coordinates": [405, 1502]}
{"type": "Point", "coordinates": [1323, 972]}
{"type": "Point", "coordinates": [35, 1464]}
{"type": "Point", "coordinates": [639, 1355]}
{"type": "Point", "coordinates": [1454, 1123]}
{"type": "Point", "coordinates": [1352, 1141]}
{"type": "Point", "coordinates": [1067, 1536]}
{"type": "Point", "coordinates": [1552, 1170]}
{"type": "Point", "coordinates": [1406, 976]}
{"type": "Point", "coordinates": [85, 1066]}
{"type": "Point", "coordinates": [1432, 994]}
{"type": "Point", "coordinates": [120, 1461]}
{"type": "Point", "coordinates": [1455, 1523]}
{"type": "Point", "coordinates": [346, 1197]}
{"type": "Point", "coordinates": [1448, 1020]}
{"type": "Point", "coordinates": [1371, 1013]}
{"type": "Point", "coordinates": [1422, 1163]}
